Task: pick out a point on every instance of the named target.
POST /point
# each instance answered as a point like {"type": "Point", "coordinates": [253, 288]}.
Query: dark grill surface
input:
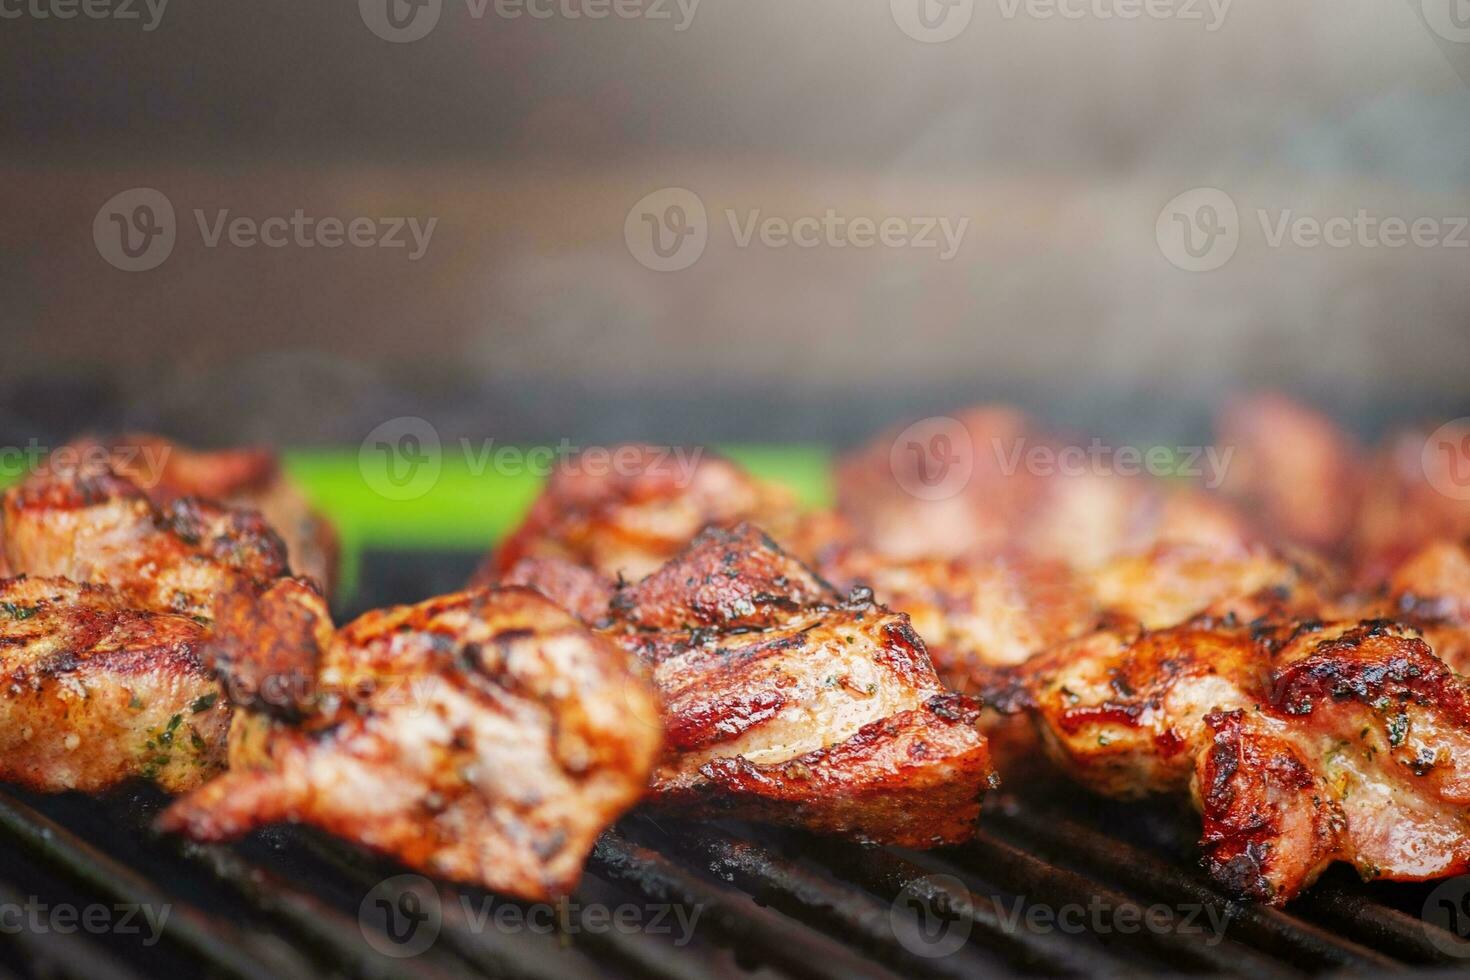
{"type": "Point", "coordinates": [1057, 882]}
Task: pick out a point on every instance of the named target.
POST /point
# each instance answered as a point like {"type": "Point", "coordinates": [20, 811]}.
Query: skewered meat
{"type": "Point", "coordinates": [485, 736]}
{"type": "Point", "coordinates": [1304, 744]}
{"type": "Point", "coordinates": [248, 478]}
{"type": "Point", "coordinates": [629, 520]}
{"type": "Point", "coordinates": [95, 692]}
{"type": "Point", "coordinates": [786, 703]}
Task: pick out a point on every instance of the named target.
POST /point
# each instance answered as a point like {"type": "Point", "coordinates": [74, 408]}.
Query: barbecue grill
{"type": "Point", "coordinates": [1057, 882]}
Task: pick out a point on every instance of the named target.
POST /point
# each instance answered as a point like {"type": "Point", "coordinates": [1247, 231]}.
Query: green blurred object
{"type": "Point", "coordinates": [470, 510]}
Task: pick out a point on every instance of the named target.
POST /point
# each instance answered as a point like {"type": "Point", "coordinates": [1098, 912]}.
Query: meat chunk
{"type": "Point", "coordinates": [977, 613]}
{"type": "Point", "coordinates": [484, 736]}
{"type": "Point", "coordinates": [1303, 743]}
{"type": "Point", "coordinates": [786, 703]}
{"type": "Point", "coordinates": [94, 692]}
{"type": "Point", "coordinates": [1172, 583]}
{"type": "Point", "coordinates": [1082, 513]}
{"type": "Point", "coordinates": [88, 523]}
{"type": "Point", "coordinates": [248, 478]}
{"type": "Point", "coordinates": [626, 520]}
{"type": "Point", "coordinates": [1293, 469]}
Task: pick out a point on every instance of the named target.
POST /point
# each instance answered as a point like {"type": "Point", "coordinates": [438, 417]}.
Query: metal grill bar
{"type": "Point", "coordinates": [211, 941]}
{"type": "Point", "coordinates": [1298, 942]}
{"type": "Point", "coordinates": [853, 916]}
{"type": "Point", "coordinates": [1041, 881]}
{"type": "Point", "coordinates": [737, 920]}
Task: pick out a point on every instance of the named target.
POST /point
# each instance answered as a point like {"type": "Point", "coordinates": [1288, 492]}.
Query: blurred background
{"type": "Point", "coordinates": [1063, 144]}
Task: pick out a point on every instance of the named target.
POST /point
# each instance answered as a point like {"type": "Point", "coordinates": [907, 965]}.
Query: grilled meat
{"type": "Point", "coordinates": [976, 613]}
{"type": "Point", "coordinates": [1293, 469]}
{"type": "Point", "coordinates": [1007, 505]}
{"type": "Point", "coordinates": [96, 692]}
{"type": "Point", "coordinates": [1304, 744]}
{"type": "Point", "coordinates": [784, 702]}
{"type": "Point", "coordinates": [88, 523]}
{"type": "Point", "coordinates": [484, 736]}
{"type": "Point", "coordinates": [1403, 509]}
{"type": "Point", "coordinates": [626, 520]}
{"type": "Point", "coordinates": [1172, 583]}
{"type": "Point", "coordinates": [247, 478]}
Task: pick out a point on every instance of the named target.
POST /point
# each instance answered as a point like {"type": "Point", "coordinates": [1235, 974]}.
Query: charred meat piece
{"type": "Point", "coordinates": [626, 517]}
{"type": "Point", "coordinates": [88, 523]}
{"type": "Point", "coordinates": [1430, 591]}
{"type": "Point", "coordinates": [94, 692]}
{"type": "Point", "coordinates": [1304, 743]}
{"type": "Point", "coordinates": [248, 478]}
{"type": "Point", "coordinates": [581, 591]}
{"type": "Point", "coordinates": [977, 613]}
{"type": "Point", "coordinates": [484, 736]}
{"type": "Point", "coordinates": [1292, 469]}
{"type": "Point", "coordinates": [1403, 507]}
{"type": "Point", "coordinates": [785, 703]}
{"type": "Point", "coordinates": [1081, 513]}
{"type": "Point", "coordinates": [1172, 583]}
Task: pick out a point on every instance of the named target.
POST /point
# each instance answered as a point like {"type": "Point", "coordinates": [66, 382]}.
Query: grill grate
{"type": "Point", "coordinates": [285, 903]}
